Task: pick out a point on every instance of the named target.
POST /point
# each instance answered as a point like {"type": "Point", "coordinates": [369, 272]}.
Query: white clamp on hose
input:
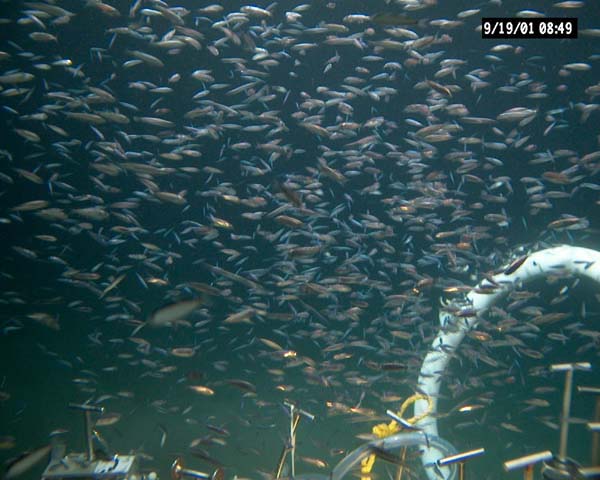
{"type": "Point", "coordinates": [455, 325]}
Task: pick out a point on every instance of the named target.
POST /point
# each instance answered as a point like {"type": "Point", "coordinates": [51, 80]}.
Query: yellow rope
{"type": "Point", "coordinates": [383, 430]}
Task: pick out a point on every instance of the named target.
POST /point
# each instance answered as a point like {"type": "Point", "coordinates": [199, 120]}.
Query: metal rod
{"type": "Point", "coordinates": [564, 421]}
{"type": "Point", "coordinates": [528, 473]}
{"type": "Point", "coordinates": [594, 426]}
{"type": "Point", "coordinates": [306, 414]}
{"type": "Point", "coordinates": [460, 457]}
{"type": "Point", "coordinates": [89, 432]}
{"type": "Point", "coordinates": [285, 451]}
{"type": "Point", "coordinates": [524, 462]}
{"type": "Point", "coordinates": [566, 367]}
{"type": "Point", "coordinates": [178, 471]}
{"type": "Point", "coordinates": [590, 472]}
{"type": "Point", "coordinates": [293, 440]}
{"type": "Point", "coordinates": [281, 462]}
{"type": "Point", "coordinates": [401, 421]}
{"type": "Point", "coordinates": [596, 435]}
{"type": "Point", "coordinates": [400, 469]}
{"type": "Point", "coordinates": [595, 457]}
{"type": "Point", "coordinates": [194, 473]}
{"type": "Point", "coordinates": [88, 426]}
{"type": "Point", "coordinates": [584, 389]}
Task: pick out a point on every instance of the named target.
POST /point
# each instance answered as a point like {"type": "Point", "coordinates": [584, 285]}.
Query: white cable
{"type": "Point", "coordinates": [454, 326]}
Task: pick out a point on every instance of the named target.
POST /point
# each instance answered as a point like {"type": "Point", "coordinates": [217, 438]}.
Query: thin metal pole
{"type": "Point", "coordinates": [596, 436]}
{"type": "Point", "coordinates": [285, 451]}
{"type": "Point", "coordinates": [400, 469]}
{"type": "Point", "coordinates": [88, 435]}
{"type": "Point", "coordinates": [564, 423]}
{"type": "Point", "coordinates": [281, 462]}
{"type": "Point", "coordinates": [293, 440]}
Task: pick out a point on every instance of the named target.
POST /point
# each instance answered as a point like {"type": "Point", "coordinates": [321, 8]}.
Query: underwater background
{"type": "Point", "coordinates": [319, 177]}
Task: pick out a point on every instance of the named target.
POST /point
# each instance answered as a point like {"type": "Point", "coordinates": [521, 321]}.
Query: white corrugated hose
{"type": "Point", "coordinates": [454, 326]}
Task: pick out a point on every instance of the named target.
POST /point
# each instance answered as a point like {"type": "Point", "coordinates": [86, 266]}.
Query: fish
{"type": "Point", "coordinates": [171, 314]}
{"type": "Point", "coordinates": [163, 435]}
{"type": "Point", "coordinates": [26, 462]}
{"type": "Point", "coordinates": [242, 385]}
{"type": "Point", "coordinates": [514, 266]}
{"type": "Point", "coordinates": [202, 389]}
{"type": "Point", "coordinates": [113, 284]}
{"type": "Point", "coordinates": [108, 418]}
